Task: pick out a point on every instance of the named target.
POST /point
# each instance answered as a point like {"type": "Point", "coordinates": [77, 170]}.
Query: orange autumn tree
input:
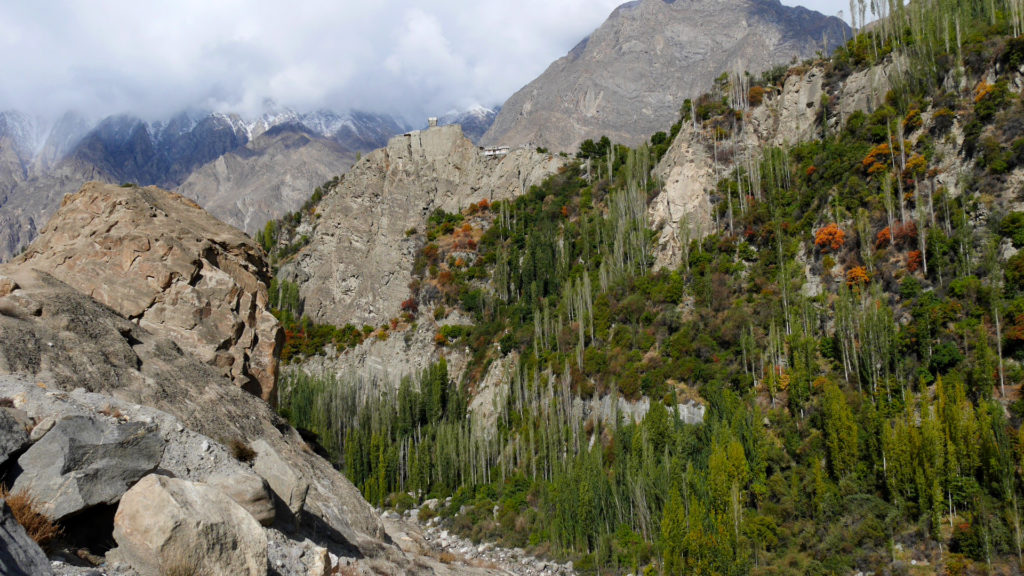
{"type": "Point", "coordinates": [857, 276]}
{"type": "Point", "coordinates": [830, 238]}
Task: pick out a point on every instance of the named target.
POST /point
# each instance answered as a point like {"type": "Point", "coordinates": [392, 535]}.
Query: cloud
{"type": "Point", "coordinates": [404, 57]}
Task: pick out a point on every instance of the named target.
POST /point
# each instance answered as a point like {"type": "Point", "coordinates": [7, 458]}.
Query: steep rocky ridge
{"type": "Point", "coordinates": [158, 259]}
{"type": "Point", "coordinates": [358, 265]}
{"type": "Point", "coordinates": [268, 177]}
{"type": "Point", "coordinates": [789, 115]}
{"type": "Point", "coordinates": [630, 77]}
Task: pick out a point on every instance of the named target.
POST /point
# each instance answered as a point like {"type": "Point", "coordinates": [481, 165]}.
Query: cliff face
{"type": "Point", "coordinates": [358, 265]}
{"type": "Point", "coordinates": [158, 259]}
{"type": "Point", "coordinates": [793, 113]}
{"type": "Point", "coordinates": [629, 79]}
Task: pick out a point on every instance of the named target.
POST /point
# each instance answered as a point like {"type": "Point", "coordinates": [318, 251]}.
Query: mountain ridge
{"type": "Point", "coordinates": [629, 78]}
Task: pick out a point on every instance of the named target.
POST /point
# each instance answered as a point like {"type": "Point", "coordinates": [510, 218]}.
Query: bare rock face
{"type": "Point", "coordinates": [793, 114]}
{"type": "Point", "coordinates": [358, 265]}
{"type": "Point", "coordinates": [166, 524]}
{"type": "Point", "coordinates": [682, 211]}
{"type": "Point", "coordinates": [160, 260]}
{"type": "Point", "coordinates": [629, 79]}
{"type": "Point", "coordinates": [272, 175]}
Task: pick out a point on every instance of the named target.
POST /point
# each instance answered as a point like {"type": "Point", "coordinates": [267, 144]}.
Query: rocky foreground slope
{"type": "Point", "coordinates": [149, 456]}
{"type": "Point", "coordinates": [630, 77]}
{"type": "Point", "coordinates": [159, 260]}
{"type": "Point", "coordinates": [358, 265]}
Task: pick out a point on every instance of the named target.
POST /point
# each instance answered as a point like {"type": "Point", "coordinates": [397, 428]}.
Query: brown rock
{"type": "Point", "coordinates": [7, 286]}
{"type": "Point", "coordinates": [249, 491]}
{"type": "Point", "coordinates": [159, 260]}
{"type": "Point", "coordinates": [166, 524]}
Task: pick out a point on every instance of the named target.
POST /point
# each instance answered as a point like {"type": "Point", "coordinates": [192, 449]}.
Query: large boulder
{"type": "Point", "coordinates": [157, 258]}
{"type": "Point", "coordinates": [19, 554]}
{"type": "Point", "coordinates": [85, 461]}
{"type": "Point", "coordinates": [13, 436]}
{"type": "Point", "coordinates": [249, 491]}
{"type": "Point", "coordinates": [289, 486]}
{"type": "Point", "coordinates": [165, 524]}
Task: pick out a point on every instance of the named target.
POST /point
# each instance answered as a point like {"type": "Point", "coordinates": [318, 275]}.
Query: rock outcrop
{"type": "Point", "coordinates": [158, 259]}
{"type": "Point", "coordinates": [166, 524]}
{"type": "Point", "coordinates": [84, 462]}
{"type": "Point", "coordinates": [630, 77]}
{"type": "Point", "coordinates": [358, 265]}
{"type": "Point", "coordinates": [792, 114]}
{"type": "Point", "coordinates": [682, 210]}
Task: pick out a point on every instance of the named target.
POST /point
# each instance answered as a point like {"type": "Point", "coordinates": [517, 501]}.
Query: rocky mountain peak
{"type": "Point", "coordinates": [159, 260]}
{"type": "Point", "coordinates": [630, 77]}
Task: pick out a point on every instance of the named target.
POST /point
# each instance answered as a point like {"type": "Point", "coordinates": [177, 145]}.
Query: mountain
{"type": "Point", "coordinates": [474, 122]}
{"type": "Point", "coordinates": [271, 175]}
{"type": "Point", "coordinates": [630, 77]}
{"type": "Point", "coordinates": [130, 330]}
{"type": "Point", "coordinates": [791, 317]}
{"type": "Point", "coordinates": [358, 265]}
{"type": "Point", "coordinates": [250, 169]}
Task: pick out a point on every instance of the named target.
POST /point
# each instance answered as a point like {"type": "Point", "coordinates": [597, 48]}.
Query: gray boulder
{"type": "Point", "coordinates": [13, 436]}
{"type": "Point", "coordinates": [166, 524]}
{"type": "Point", "coordinates": [85, 461]}
{"type": "Point", "coordinates": [19, 554]}
{"type": "Point", "coordinates": [248, 491]}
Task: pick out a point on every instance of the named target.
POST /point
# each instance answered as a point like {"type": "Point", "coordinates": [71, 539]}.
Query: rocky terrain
{"type": "Point", "coordinates": [179, 272]}
{"type": "Point", "coordinates": [121, 416]}
{"type": "Point", "coordinates": [358, 265]}
{"type": "Point", "coordinates": [630, 77]}
{"type": "Point", "coordinates": [220, 159]}
{"type": "Point", "coordinates": [788, 115]}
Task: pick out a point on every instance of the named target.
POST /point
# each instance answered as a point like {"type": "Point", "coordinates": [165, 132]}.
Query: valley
{"type": "Point", "coordinates": [732, 288]}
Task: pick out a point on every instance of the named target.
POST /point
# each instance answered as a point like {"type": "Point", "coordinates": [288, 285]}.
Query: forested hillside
{"type": "Point", "coordinates": [854, 325]}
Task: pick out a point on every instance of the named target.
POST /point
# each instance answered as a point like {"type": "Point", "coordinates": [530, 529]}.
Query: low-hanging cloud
{"type": "Point", "coordinates": [405, 57]}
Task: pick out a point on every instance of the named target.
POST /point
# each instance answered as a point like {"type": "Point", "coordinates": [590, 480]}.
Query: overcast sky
{"type": "Point", "coordinates": [409, 57]}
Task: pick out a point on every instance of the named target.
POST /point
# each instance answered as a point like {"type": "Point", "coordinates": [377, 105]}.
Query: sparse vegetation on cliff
{"type": "Point", "coordinates": [853, 324]}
